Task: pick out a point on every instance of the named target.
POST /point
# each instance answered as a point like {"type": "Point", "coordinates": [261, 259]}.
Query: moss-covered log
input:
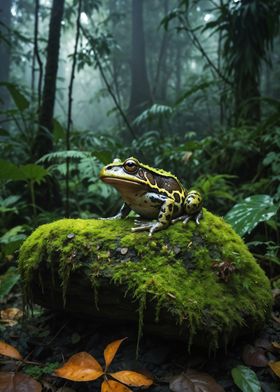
{"type": "Point", "coordinates": [199, 283]}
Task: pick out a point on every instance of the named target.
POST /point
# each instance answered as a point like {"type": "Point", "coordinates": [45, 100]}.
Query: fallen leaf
{"type": "Point", "coordinates": [275, 318]}
{"type": "Point", "coordinates": [113, 386]}
{"type": "Point", "coordinates": [276, 345]}
{"type": "Point", "coordinates": [10, 316]}
{"type": "Point", "coordinates": [275, 366]}
{"type": "Point", "coordinates": [246, 379]}
{"type": "Point", "coordinates": [18, 382]}
{"type": "Point", "coordinates": [80, 367]}
{"type": "Point", "coordinates": [193, 381]}
{"type": "Point", "coordinates": [9, 351]}
{"type": "Point", "coordinates": [254, 356]}
{"type": "Point", "coordinates": [133, 379]}
{"type": "Point", "coordinates": [111, 350]}
{"type": "Point", "coordinates": [263, 343]}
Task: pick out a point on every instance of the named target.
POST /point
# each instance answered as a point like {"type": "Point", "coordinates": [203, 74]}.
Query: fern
{"type": "Point", "coordinates": [63, 155]}
{"type": "Point", "coordinates": [154, 112]}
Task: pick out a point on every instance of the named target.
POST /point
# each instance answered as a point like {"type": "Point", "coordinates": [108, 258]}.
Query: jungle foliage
{"type": "Point", "coordinates": [201, 101]}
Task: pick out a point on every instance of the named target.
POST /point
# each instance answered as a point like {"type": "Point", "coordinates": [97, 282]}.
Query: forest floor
{"type": "Point", "coordinates": [49, 339]}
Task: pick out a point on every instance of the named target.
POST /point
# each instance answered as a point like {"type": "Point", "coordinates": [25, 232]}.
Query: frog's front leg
{"type": "Point", "coordinates": [124, 211]}
{"type": "Point", "coordinates": [192, 207]}
{"type": "Point", "coordinates": [164, 217]}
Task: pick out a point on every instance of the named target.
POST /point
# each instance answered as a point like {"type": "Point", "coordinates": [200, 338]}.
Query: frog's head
{"type": "Point", "coordinates": [126, 175]}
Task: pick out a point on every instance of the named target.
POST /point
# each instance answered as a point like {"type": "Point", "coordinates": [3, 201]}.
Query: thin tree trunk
{"type": "Point", "coordinates": [36, 57]}
{"type": "Point", "coordinates": [140, 94]}
{"type": "Point", "coordinates": [70, 101]}
{"type": "Point", "coordinates": [5, 18]}
{"type": "Point", "coordinates": [43, 143]}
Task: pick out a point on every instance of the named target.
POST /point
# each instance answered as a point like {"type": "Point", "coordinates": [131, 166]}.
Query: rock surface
{"type": "Point", "coordinates": [196, 283]}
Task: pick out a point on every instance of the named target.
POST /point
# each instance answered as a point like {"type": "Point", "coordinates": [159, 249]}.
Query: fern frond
{"type": "Point", "coordinates": [154, 112]}
{"type": "Point", "coordinates": [63, 155]}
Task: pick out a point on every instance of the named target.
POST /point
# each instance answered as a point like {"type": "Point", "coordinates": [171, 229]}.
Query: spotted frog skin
{"type": "Point", "coordinates": [152, 193]}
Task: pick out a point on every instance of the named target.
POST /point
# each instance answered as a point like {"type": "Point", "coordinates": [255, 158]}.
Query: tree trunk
{"type": "Point", "coordinates": [5, 18]}
{"type": "Point", "coordinates": [43, 143]}
{"type": "Point", "coordinates": [247, 99]}
{"type": "Point", "coordinates": [140, 94]}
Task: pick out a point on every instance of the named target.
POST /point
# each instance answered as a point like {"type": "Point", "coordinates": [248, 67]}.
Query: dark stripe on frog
{"type": "Point", "coordinates": [177, 197]}
{"type": "Point", "coordinates": [150, 177]}
{"type": "Point", "coordinates": [167, 183]}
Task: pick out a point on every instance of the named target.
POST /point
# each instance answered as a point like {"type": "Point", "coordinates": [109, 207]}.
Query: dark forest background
{"type": "Point", "coordinates": [188, 86]}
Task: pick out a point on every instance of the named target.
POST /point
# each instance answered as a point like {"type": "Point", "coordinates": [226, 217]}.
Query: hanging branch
{"type": "Point", "coordinates": [108, 86]}
{"type": "Point", "coordinates": [70, 101]}
{"type": "Point", "coordinates": [198, 45]}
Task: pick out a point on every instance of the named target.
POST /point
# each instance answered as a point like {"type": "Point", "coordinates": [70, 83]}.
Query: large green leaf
{"type": "Point", "coordinates": [9, 171]}
{"type": "Point", "coordinates": [246, 379]}
{"type": "Point", "coordinates": [19, 99]}
{"type": "Point", "coordinates": [31, 171]}
{"type": "Point", "coordinates": [245, 216]}
{"type": "Point", "coordinates": [8, 280]}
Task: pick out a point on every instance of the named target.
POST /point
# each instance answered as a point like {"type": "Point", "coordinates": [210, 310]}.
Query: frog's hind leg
{"type": "Point", "coordinates": [163, 221]}
{"type": "Point", "coordinates": [193, 208]}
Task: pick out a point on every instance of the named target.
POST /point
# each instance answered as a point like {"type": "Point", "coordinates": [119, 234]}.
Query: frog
{"type": "Point", "coordinates": [154, 194]}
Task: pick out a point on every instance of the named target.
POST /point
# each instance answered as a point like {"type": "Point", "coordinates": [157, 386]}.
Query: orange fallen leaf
{"type": "Point", "coordinates": [80, 367]}
{"type": "Point", "coordinates": [9, 351]}
{"type": "Point", "coordinates": [133, 379]}
{"type": "Point", "coordinates": [110, 351]}
{"type": "Point", "coordinates": [18, 382]}
{"type": "Point", "coordinates": [113, 386]}
{"type": "Point", "coordinates": [275, 366]}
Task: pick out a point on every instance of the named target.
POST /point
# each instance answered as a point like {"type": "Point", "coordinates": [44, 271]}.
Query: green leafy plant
{"type": "Point", "coordinates": [246, 379]}
{"type": "Point", "coordinates": [246, 215]}
{"type": "Point", "coordinates": [8, 281]}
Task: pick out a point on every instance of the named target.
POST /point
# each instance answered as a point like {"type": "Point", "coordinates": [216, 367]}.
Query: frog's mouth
{"type": "Point", "coordinates": [121, 183]}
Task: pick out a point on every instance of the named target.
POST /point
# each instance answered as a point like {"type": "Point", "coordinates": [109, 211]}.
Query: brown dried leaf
{"type": "Point", "coordinates": [133, 379]}
{"type": "Point", "coordinates": [263, 343]}
{"type": "Point", "coordinates": [11, 314]}
{"type": "Point", "coordinates": [111, 350]}
{"type": "Point", "coordinates": [113, 386]}
{"type": "Point", "coordinates": [193, 381]}
{"type": "Point", "coordinates": [275, 366]}
{"type": "Point", "coordinates": [9, 351]}
{"type": "Point", "coordinates": [18, 382]}
{"type": "Point", "coordinates": [80, 367]}
{"type": "Point", "coordinates": [254, 356]}
{"type": "Point", "coordinates": [276, 345]}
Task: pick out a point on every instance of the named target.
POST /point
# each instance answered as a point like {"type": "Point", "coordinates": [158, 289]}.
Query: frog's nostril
{"type": "Point", "coordinates": [109, 167]}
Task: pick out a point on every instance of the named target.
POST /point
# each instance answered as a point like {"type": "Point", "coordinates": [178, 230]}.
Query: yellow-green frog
{"type": "Point", "coordinates": [152, 193]}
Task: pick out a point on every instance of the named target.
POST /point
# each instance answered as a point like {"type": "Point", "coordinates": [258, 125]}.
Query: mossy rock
{"type": "Point", "coordinates": [199, 283]}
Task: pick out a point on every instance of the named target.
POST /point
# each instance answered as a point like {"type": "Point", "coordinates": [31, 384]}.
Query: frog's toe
{"type": "Point", "coordinates": [198, 217]}
{"type": "Point", "coordinates": [180, 218]}
{"type": "Point", "coordinates": [141, 228]}
{"type": "Point", "coordinates": [186, 219]}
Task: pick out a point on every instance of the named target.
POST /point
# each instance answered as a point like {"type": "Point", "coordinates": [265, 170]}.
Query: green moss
{"type": "Point", "coordinates": [173, 270]}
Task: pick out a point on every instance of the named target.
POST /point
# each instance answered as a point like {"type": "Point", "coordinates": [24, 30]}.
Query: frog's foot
{"type": "Point", "coordinates": [151, 227]}
{"type": "Point", "coordinates": [186, 218]}
{"type": "Point", "coordinates": [118, 216]}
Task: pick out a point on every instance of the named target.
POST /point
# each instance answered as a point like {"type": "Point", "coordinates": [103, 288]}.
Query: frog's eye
{"type": "Point", "coordinates": [130, 166]}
